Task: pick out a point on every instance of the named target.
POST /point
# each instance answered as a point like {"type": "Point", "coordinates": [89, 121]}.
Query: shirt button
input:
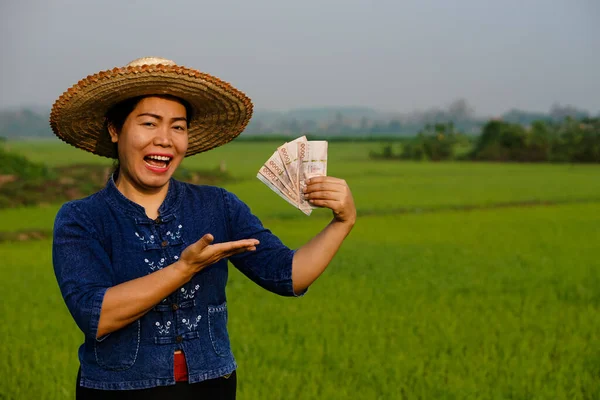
{"type": "Point", "coordinates": [179, 339]}
{"type": "Point", "coordinates": [164, 243]}
{"type": "Point", "coordinates": [175, 306]}
{"type": "Point", "coordinates": [157, 220]}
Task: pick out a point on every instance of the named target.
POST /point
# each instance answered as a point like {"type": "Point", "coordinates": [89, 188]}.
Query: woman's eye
{"type": "Point", "coordinates": [180, 128]}
{"type": "Point", "coordinates": [148, 123]}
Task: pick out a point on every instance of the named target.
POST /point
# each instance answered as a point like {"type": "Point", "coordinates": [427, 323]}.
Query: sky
{"type": "Point", "coordinates": [391, 55]}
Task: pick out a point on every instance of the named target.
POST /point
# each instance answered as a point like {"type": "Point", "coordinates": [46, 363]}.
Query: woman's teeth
{"type": "Point", "coordinates": [159, 158]}
{"type": "Point", "coordinates": [157, 161]}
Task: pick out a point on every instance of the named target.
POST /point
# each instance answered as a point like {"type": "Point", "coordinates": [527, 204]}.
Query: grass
{"type": "Point", "coordinates": [448, 306]}
{"type": "Point", "coordinates": [494, 303]}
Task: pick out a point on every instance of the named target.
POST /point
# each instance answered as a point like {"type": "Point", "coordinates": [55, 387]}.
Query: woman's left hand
{"type": "Point", "coordinates": [332, 193]}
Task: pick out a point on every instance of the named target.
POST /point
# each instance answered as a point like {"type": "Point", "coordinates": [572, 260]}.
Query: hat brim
{"type": "Point", "coordinates": [220, 111]}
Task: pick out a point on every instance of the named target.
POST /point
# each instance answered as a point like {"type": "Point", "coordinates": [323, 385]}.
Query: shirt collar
{"type": "Point", "coordinates": [166, 210]}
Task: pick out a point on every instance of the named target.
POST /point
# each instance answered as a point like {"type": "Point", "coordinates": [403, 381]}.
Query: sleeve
{"type": "Point", "coordinates": [82, 267]}
{"type": "Point", "coordinates": [270, 266]}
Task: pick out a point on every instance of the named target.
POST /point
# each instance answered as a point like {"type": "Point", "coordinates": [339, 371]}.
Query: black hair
{"type": "Point", "coordinates": [118, 113]}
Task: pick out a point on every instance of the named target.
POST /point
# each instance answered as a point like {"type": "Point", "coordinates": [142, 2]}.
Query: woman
{"type": "Point", "coordinates": [142, 264]}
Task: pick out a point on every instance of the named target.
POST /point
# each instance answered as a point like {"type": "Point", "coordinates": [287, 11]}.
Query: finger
{"type": "Point", "coordinates": [326, 181]}
{"type": "Point", "coordinates": [232, 246]}
{"type": "Point", "coordinates": [323, 195]}
{"type": "Point", "coordinates": [226, 254]}
{"type": "Point", "coordinates": [204, 241]}
{"type": "Point", "coordinates": [325, 186]}
{"type": "Point", "coordinates": [218, 252]}
{"type": "Point", "coordinates": [239, 251]}
{"type": "Point", "coordinates": [322, 179]}
{"type": "Point", "coordinates": [248, 242]}
{"type": "Point", "coordinates": [331, 204]}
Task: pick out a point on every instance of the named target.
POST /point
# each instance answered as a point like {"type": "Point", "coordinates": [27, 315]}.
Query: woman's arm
{"type": "Point", "coordinates": [311, 259]}
{"type": "Point", "coordinates": [128, 301]}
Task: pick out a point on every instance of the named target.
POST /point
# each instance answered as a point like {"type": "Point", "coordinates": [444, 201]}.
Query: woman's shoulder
{"type": "Point", "coordinates": [81, 211]}
{"type": "Point", "coordinates": [84, 204]}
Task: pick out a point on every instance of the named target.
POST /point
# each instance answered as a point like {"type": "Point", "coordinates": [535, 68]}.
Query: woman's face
{"type": "Point", "coordinates": [152, 142]}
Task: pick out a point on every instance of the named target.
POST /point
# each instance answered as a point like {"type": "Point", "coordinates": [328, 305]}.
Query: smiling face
{"type": "Point", "coordinates": [151, 143]}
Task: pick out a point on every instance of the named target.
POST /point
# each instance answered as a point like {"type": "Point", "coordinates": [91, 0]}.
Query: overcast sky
{"type": "Point", "coordinates": [392, 55]}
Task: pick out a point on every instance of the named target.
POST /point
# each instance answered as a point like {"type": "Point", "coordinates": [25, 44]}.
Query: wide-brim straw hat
{"type": "Point", "coordinates": [220, 111]}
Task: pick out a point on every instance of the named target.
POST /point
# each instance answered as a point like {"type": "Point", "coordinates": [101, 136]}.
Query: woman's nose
{"type": "Point", "coordinates": [162, 137]}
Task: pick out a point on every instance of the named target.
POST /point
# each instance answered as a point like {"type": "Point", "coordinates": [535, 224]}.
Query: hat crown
{"type": "Point", "coordinates": [150, 61]}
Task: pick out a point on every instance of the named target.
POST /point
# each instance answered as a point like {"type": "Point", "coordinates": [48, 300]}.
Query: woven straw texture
{"type": "Point", "coordinates": [221, 112]}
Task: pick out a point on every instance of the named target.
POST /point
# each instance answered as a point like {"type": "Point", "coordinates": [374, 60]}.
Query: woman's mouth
{"type": "Point", "coordinates": [157, 163]}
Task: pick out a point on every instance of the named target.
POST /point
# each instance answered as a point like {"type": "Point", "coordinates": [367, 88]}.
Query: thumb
{"type": "Point", "coordinates": [203, 242]}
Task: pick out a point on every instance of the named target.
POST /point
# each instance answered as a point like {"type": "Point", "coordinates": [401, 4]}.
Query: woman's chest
{"type": "Point", "coordinates": [139, 248]}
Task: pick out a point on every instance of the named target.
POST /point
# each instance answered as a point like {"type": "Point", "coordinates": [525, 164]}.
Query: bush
{"type": "Point", "coordinates": [435, 143]}
{"type": "Point", "coordinates": [569, 141]}
{"type": "Point", "coordinates": [19, 166]}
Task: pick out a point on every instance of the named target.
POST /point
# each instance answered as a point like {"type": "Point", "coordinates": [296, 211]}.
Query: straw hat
{"type": "Point", "coordinates": [220, 111]}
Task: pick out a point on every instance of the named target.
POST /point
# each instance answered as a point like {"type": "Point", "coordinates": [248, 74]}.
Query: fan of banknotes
{"type": "Point", "coordinates": [287, 170]}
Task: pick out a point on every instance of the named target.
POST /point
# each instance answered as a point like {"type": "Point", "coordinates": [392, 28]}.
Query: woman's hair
{"type": "Point", "coordinates": [118, 113]}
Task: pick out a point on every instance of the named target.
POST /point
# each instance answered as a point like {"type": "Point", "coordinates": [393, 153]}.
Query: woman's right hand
{"type": "Point", "coordinates": [201, 254]}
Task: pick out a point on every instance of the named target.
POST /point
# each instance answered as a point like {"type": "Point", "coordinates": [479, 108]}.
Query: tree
{"type": "Point", "coordinates": [560, 113]}
{"type": "Point", "coordinates": [459, 110]}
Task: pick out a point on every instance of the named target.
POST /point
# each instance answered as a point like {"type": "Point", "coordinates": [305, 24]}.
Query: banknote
{"type": "Point", "coordinates": [266, 175]}
{"type": "Point", "coordinates": [275, 164]}
{"type": "Point", "coordinates": [287, 170]}
{"type": "Point", "coordinates": [313, 157]}
{"type": "Point", "coordinates": [289, 156]}
{"type": "Point", "coordinates": [270, 185]}
{"type": "Point", "coordinates": [303, 205]}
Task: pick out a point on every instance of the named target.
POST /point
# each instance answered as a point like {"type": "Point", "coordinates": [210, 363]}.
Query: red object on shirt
{"type": "Point", "coordinates": [180, 367]}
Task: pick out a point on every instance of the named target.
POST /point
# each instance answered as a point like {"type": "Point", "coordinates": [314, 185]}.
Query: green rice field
{"type": "Point", "coordinates": [459, 281]}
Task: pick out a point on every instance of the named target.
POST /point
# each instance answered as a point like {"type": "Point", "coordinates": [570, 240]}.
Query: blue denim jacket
{"type": "Point", "coordinates": [106, 239]}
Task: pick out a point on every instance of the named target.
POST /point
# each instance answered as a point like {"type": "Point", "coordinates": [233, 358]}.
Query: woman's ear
{"type": "Point", "coordinates": [114, 135]}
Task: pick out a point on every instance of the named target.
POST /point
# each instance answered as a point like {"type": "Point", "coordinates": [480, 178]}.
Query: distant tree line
{"type": "Point", "coordinates": [24, 123]}
{"type": "Point", "coordinates": [365, 122]}
{"type": "Point", "coordinates": [330, 122]}
{"type": "Point", "coordinates": [570, 140]}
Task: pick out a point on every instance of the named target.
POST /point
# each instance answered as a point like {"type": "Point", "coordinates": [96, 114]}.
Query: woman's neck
{"type": "Point", "coordinates": [149, 198]}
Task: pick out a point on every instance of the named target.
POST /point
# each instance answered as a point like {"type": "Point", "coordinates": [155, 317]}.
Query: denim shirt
{"type": "Point", "coordinates": [106, 239]}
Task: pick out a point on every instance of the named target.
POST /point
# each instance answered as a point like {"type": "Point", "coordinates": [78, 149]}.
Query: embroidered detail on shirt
{"type": "Point", "coordinates": [176, 257]}
{"type": "Point", "coordinates": [175, 235]}
{"type": "Point", "coordinates": [155, 266]}
{"type": "Point", "coordinates": [191, 293]}
{"type": "Point", "coordinates": [150, 239]}
{"type": "Point", "coordinates": [163, 329]}
{"type": "Point", "coordinates": [218, 309]}
{"type": "Point", "coordinates": [192, 324]}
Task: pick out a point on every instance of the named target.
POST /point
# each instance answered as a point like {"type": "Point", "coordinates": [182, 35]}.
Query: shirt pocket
{"type": "Point", "coordinates": [118, 350]}
{"type": "Point", "coordinates": [217, 327]}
